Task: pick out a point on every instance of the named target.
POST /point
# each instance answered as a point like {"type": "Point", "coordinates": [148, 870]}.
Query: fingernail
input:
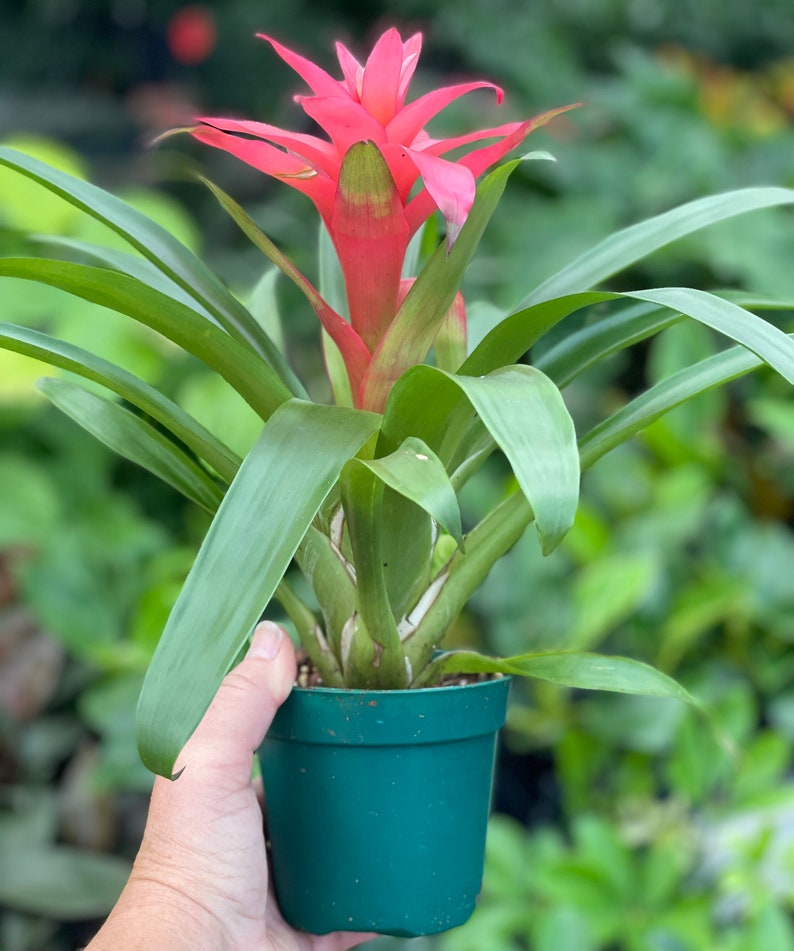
{"type": "Point", "coordinates": [266, 641]}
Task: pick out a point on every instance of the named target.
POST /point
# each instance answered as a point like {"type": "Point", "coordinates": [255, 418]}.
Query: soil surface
{"type": "Point", "coordinates": [308, 676]}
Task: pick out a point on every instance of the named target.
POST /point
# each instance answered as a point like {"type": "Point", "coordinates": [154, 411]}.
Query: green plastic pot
{"type": "Point", "coordinates": [378, 803]}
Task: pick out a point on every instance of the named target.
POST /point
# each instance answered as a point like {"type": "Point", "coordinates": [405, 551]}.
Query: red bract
{"type": "Point", "coordinates": [369, 211]}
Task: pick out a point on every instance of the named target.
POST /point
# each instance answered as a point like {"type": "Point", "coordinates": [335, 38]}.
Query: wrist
{"type": "Point", "coordinates": [154, 914]}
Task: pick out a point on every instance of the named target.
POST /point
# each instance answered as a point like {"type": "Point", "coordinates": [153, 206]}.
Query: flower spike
{"type": "Point", "coordinates": [362, 178]}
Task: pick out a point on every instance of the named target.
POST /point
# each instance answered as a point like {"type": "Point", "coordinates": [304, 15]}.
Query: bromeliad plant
{"type": "Point", "coordinates": [363, 494]}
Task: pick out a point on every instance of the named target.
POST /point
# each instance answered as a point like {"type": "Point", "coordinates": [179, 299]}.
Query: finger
{"type": "Point", "coordinates": [243, 708]}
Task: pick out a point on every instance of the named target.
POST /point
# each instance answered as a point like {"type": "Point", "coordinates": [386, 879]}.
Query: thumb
{"type": "Point", "coordinates": [239, 716]}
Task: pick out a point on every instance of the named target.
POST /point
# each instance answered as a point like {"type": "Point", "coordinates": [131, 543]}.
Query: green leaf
{"type": "Point", "coordinates": [407, 534]}
{"type": "Point", "coordinates": [40, 346]}
{"type": "Point", "coordinates": [163, 250]}
{"type": "Point", "coordinates": [510, 339]}
{"type": "Point", "coordinates": [584, 671]}
{"type": "Point", "coordinates": [259, 525]}
{"type": "Point", "coordinates": [661, 398]}
{"type": "Point", "coordinates": [416, 472]}
{"type": "Point", "coordinates": [263, 305]}
{"type": "Point", "coordinates": [343, 334]}
{"type": "Point", "coordinates": [332, 289]}
{"type": "Point", "coordinates": [131, 264]}
{"type": "Point", "coordinates": [764, 339]}
{"type": "Point", "coordinates": [502, 527]}
{"type": "Point", "coordinates": [310, 635]}
{"type": "Point", "coordinates": [617, 331]}
{"type": "Point", "coordinates": [421, 490]}
{"type": "Point", "coordinates": [493, 537]}
{"type": "Point", "coordinates": [593, 343]}
{"type": "Point", "coordinates": [134, 439]}
{"type": "Point", "coordinates": [331, 579]}
{"type": "Point", "coordinates": [623, 248]}
{"type": "Point", "coordinates": [421, 404]}
{"type": "Point", "coordinates": [411, 334]}
{"type": "Point", "coordinates": [253, 379]}
{"type": "Point", "coordinates": [524, 412]}
{"type": "Point", "coordinates": [374, 658]}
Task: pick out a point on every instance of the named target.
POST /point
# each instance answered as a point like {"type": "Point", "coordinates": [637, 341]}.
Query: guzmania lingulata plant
{"type": "Point", "coordinates": [363, 494]}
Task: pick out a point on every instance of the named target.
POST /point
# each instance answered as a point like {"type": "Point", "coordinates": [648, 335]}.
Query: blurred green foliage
{"type": "Point", "coordinates": [682, 553]}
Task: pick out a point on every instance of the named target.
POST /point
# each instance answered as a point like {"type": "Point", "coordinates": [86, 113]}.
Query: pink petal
{"type": "Point", "coordinates": [411, 50]}
{"type": "Point", "coordinates": [481, 159]}
{"type": "Point", "coordinates": [272, 161]}
{"type": "Point", "coordinates": [423, 205]}
{"type": "Point", "coordinates": [345, 121]}
{"type": "Point", "coordinates": [381, 85]}
{"type": "Point", "coordinates": [318, 153]}
{"type": "Point", "coordinates": [408, 122]}
{"type": "Point", "coordinates": [352, 70]}
{"type": "Point", "coordinates": [402, 167]}
{"type": "Point", "coordinates": [320, 82]}
{"type": "Point", "coordinates": [451, 187]}
{"type": "Point", "coordinates": [440, 146]}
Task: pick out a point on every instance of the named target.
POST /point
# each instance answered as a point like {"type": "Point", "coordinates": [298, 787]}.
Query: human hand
{"type": "Point", "coordinates": [200, 880]}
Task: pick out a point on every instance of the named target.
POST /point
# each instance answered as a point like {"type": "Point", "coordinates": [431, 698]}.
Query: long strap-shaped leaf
{"type": "Point", "coordinates": [134, 439]}
{"type": "Point", "coordinates": [624, 248]}
{"type": "Point", "coordinates": [588, 346]}
{"type": "Point", "coordinates": [524, 412]}
{"type": "Point", "coordinates": [582, 670]}
{"type": "Point", "coordinates": [746, 328]}
{"type": "Point", "coordinates": [253, 379]}
{"type": "Point", "coordinates": [502, 527]}
{"type": "Point", "coordinates": [140, 268]}
{"type": "Point", "coordinates": [374, 654]}
{"type": "Point", "coordinates": [513, 337]}
{"type": "Point", "coordinates": [331, 579]}
{"type": "Point", "coordinates": [526, 416]}
{"type": "Point", "coordinates": [666, 395]}
{"type": "Point", "coordinates": [262, 519]}
{"type": "Point", "coordinates": [163, 250]}
{"type": "Point", "coordinates": [416, 473]}
{"type": "Point", "coordinates": [629, 325]}
{"type": "Point", "coordinates": [58, 353]}
{"type": "Point", "coordinates": [350, 345]}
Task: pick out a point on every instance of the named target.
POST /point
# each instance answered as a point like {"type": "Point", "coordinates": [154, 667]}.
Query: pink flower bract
{"type": "Point", "coordinates": [368, 105]}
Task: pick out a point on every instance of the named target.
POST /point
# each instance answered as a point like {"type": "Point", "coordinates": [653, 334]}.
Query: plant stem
{"type": "Point", "coordinates": [311, 635]}
{"type": "Point", "coordinates": [485, 544]}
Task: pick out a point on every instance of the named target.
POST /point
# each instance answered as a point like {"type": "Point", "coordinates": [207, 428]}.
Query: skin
{"type": "Point", "coordinates": [200, 880]}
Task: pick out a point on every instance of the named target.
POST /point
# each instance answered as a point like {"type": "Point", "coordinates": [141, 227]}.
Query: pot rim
{"type": "Point", "coordinates": [399, 690]}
